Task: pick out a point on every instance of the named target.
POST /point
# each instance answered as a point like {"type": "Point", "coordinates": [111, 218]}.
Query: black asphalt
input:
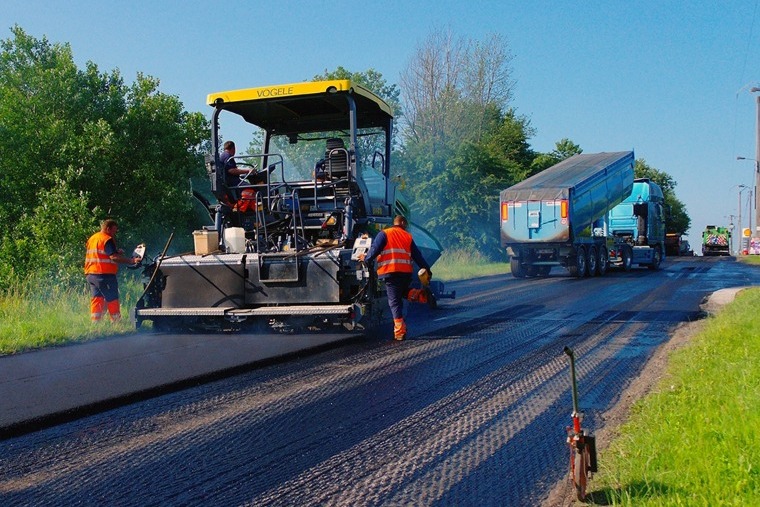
{"type": "Point", "coordinates": [52, 385]}
{"type": "Point", "coordinates": [470, 410]}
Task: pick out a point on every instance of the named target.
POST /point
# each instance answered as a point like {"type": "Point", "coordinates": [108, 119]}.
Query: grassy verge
{"type": "Point", "coordinates": [461, 265]}
{"type": "Point", "coordinates": [749, 259]}
{"type": "Point", "coordinates": [693, 441]}
{"type": "Point", "coordinates": [60, 316]}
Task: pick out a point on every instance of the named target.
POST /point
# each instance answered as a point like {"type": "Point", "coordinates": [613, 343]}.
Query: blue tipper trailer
{"type": "Point", "coordinates": [558, 216]}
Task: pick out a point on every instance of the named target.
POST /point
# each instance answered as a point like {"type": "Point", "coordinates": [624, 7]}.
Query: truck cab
{"type": "Point", "coordinates": [638, 227]}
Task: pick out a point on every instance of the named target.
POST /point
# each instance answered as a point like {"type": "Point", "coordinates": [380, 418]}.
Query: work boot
{"type": "Point", "coordinates": [399, 329]}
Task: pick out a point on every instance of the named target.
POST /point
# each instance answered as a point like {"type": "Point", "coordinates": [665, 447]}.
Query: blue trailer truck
{"type": "Point", "coordinates": [560, 217]}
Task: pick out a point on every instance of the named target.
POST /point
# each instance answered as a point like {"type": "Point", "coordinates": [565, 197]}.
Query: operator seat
{"type": "Point", "coordinates": [336, 159]}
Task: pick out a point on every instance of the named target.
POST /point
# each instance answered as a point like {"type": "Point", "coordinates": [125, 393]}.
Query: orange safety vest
{"type": "Point", "coordinates": [96, 261]}
{"type": "Point", "coordinates": [396, 257]}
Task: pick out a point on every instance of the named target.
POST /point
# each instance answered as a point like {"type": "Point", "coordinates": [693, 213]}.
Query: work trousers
{"type": "Point", "coordinates": [397, 287]}
{"type": "Point", "coordinates": [104, 291]}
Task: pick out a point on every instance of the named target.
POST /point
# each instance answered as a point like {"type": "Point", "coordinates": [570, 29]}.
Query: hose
{"type": "Point", "coordinates": [158, 265]}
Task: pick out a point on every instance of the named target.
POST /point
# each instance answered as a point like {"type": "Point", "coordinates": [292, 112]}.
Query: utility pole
{"type": "Point", "coordinates": [741, 235]}
{"type": "Point", "coordinates": [757, 165]}
{"type": "Point", "coordinates": [749, 226]}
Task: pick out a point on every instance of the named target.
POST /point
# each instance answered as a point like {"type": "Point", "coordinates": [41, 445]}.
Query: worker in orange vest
{"type": "Point", "coordinates": [394, 249]}
{"type": "Point", "coordinates": [101, 263]}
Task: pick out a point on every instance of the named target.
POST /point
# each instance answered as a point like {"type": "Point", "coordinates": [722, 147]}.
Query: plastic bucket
{"type": "Point", "coordinates": [234, 240]}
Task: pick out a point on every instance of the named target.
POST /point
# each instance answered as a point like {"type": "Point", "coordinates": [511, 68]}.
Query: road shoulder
{"type": "Point", "coordinates": [563, 493]}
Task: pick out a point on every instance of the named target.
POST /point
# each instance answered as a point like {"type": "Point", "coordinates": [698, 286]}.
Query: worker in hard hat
{"type": "Point", "coordinates": [395, 250]}
{"type": "Point", "coordinates": [101, 264]}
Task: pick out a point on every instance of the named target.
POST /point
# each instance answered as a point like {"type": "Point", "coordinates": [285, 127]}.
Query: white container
{"type": "Point", "coordinates": [234, 240]}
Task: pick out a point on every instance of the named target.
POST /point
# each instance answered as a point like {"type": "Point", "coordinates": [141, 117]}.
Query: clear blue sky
{"type": "Point", "coordinates": [668, 79]}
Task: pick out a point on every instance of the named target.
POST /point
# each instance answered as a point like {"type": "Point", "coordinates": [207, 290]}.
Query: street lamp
{"type": "Point", "coordinates": [741, 188]}
{"type": "Point", "coordinates": [756, 178]}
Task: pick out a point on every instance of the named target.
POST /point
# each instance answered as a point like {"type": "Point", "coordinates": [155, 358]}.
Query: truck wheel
{"type": "Point", "coordinates": [592, 258]}
{"type": "Point", "coordinates": [518, 271]}
{"type": "Point", "coordinates": [656, 259]}
{"type": "Point", "coordinates": [627, 258]}
{"type": "Point", "coordinates": [604, 261]}
{"type": "Point", "coordinates": [578, 267]}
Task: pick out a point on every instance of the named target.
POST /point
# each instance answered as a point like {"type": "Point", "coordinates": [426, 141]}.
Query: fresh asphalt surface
{"type": "Point", "coordinates": [470, 410]}
{"type": "Point", "coordinates": [62, 383]}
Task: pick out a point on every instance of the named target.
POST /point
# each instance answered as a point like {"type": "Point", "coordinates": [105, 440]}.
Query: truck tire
{"type": "Point", "coordinates": [627, 255]}
{"type": "Point", "coordinates": [656, 259]}
{"type": "Point", "coordinates": [578, 266]}
{"type": "Point", "coordinates": [592, 260]}
{"type": "Point", "coordinates": [515, 265]}
{"type": "Point", "coordinates": [604, 261]}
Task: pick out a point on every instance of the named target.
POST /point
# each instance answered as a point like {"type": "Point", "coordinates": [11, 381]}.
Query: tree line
{"type": "Point", "coordinates": [79, 145]}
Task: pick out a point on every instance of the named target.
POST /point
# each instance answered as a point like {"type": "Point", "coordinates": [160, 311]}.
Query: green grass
{"type": "Point", "coordinates": [749, 259]}
{"type": "Point", "coordinates": [28, 321]}
{"type": "Point", "coordinates": [461, 265]}
{"type": "Point", "coordinates": [694, 440]}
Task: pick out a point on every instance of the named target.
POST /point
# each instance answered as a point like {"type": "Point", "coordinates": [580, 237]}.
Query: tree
{"type": "Point", "coordinates": [80, 145]}
{"type": "Point", "coordinates": [461, 143]}
{"type": "Point", "coordinates": [450, 86]}
{"type": "Point", "coordinates": [459, 203]}
{"type": "Point", "coordinates": [563, 149]}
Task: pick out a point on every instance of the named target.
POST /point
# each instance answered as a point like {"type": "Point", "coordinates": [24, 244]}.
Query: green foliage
{"type": "Point", "coordinates": [32, 319]}
{"type": "Point", "coordinates": [80, 145]}
{"type": "Point", "coordinates": [457, 203]}
{"type": "Point", "coordinates": [563, 149]}
{"type": "Point", "coordinates": [42, 246]}
{"type": "Point", "coordinates": [466, 264]}
{"type": "Point", "coordinates": [461, 143]}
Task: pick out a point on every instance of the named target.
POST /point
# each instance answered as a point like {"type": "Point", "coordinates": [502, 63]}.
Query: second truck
{"type": "Point", "coordinates": [716, 241]}
{"type": "Point", "coordinates": [587, 214]}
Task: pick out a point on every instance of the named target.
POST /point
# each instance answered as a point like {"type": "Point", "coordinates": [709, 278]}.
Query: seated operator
{"type": "Point", "coordinates": [320, 175]}
{"type": "Point", "coordinates": [232, 172]}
